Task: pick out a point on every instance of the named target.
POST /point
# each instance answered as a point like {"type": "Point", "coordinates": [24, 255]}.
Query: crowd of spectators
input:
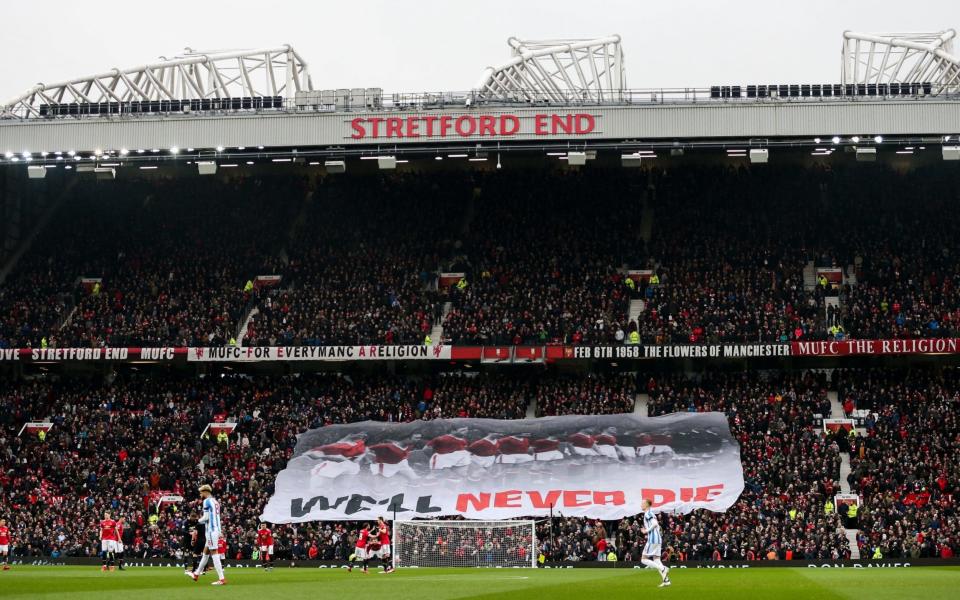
{"type": "Point", "coordinates": [790, 467]}
{"type": "Point", "coordinates": [165, 265]}
{"type": "Point", "coordinates": [903, 252]}
{"type": "Point", "coordinates": [728, 265]}
{"type": "Point", "coordinates": [590, 395]}
{"type": "Point", "coordinates": [362, 266]}
{"type": "Point", "coordinates": [37, 296]}
{"type": "Point", "coordinates": [545, 254]}
{"type": "Point", "coordinates": [544, 259]}
{"type": "Point", "coordinates": [116, 444]}
{"type": "Point", "coordinates": [905, 467]}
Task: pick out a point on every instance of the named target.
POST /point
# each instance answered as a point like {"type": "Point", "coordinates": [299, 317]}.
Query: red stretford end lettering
{"type": "Point", "coordinates": [432, 126]}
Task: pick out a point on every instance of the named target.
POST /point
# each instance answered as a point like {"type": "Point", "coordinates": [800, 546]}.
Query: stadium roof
{"type": "Point", "coordinates": [561, 71]}
{"type": "Point", "coordinates": [903, 88]}
{"type": "Point", "coordinates": [263, 72]}
{"type": "Point", "coordinates": [873, 58]}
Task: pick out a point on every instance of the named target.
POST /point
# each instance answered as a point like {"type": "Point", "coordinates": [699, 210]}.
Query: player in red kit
{"type": "Point", "coordinates": [5, 544]}
{"type": "Point", "coordinates": [120, 549]}
{"type": "Point", "coordinates": [108, 541]}
{"type": "Point", "coordinates": [265, 541]}
{"type": "Point", "coordinates": [383, 536]}
{"type": "Point", "coordinates": [361, 553]}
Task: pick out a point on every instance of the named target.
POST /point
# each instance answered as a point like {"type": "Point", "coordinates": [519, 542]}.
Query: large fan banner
{"type": "Point", "coordinates": [592, 466]}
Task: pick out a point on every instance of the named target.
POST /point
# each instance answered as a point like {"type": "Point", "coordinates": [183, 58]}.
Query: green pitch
{"type": "Point", "coordinates": [143, 583]}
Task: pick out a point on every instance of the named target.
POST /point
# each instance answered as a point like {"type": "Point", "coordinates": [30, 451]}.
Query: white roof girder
{"type": "Point", "coordinates": [562, 71]}
{"type": "Point", "coordinates": [870, 58]}
{"type": "Point", "coordinates": [241, 73]}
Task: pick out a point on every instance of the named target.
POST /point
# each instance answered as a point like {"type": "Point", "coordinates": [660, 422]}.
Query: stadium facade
{"type": "Point", "coordinates": [570, 93]}
{"type": "Point", "coordinates": [564, 100]}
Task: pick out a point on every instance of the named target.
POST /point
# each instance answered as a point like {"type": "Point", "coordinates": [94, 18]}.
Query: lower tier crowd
{"type": "Point", "coordinates": [118, 442]}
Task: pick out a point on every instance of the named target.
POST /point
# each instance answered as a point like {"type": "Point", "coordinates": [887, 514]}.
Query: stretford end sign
{"type": "Point", "coordinates": [498, 126]}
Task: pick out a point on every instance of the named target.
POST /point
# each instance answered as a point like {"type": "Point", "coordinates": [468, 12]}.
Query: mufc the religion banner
{"type": "Point", "coordinates": [593, 466]}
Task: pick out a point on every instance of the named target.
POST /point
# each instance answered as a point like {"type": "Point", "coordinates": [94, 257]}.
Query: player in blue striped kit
{"type": "Point", "coordinates": [651, 551]}
{"type": "Point", "coordinates": [211, 523]}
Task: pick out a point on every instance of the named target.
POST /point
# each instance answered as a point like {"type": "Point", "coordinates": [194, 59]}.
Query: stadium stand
{"type": "Point", "coordinates": [791, 468]}
{"type": "Point", "coordinates": [117, 443]}
{"type": "Point", "coordinates": [547, 276]}
{"type": "Point", "coordinates": [904, 466]}
{"type": "Point", "coordinates": [170, 262]}
{"type": "Point", "coordinates": [362, 265]}
{"type": "Point", "coordinates": [359, 261]}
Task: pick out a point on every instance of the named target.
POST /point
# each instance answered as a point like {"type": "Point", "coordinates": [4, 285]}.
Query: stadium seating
{"type": "Point", "coordinates": [359, 257]}
{"type": "Point", "coordinates": [547, 272]}
{"type": "Point", "coordinates": [172, 261]}
{"type": "Point", "coordinates": [362, 266]}
{"type": "Point", "coordinates": [905, 467]}
{"type": "Point", "coordinates": [125, 263]}
{"type": "Point", "coordinates": [115, 444]}
{"type": "Point", "coordinates": [789, 465]}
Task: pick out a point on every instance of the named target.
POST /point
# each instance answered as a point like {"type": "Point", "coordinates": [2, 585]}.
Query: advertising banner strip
{"type": "Point", "coordinates": [890, 563]}
{"type": "Point", "coordinates": [591, 466]}
{"type": "Point", "coordinates": [502, 354]}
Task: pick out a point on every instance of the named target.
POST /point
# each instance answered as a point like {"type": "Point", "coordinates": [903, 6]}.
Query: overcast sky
{"type": "Point", "coordinates": [419, 45]}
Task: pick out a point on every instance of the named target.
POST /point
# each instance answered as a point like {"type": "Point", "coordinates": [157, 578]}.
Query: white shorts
{"type": "Point", "coordinates": [4, 549]}
{"type": "Point", "coordinates": [548, 456]}
{"type": "Point", "coordinates": [213, 542]}
{"type": "Point", "coordinates": [660, 451]}
{"type": "Point", "coordinates": [483, 461]}
{"type": "Point", "coordinates": [391, 470]}
{"type": "Point", "coordinates": [119, 547]}
{"type": "Point", "coordinates": [607, 450]}
{"type": "Point", "coordinates": [449, 460]}
{"type": "Point", "coordinates": [108, 545]}
{"type": "Point", "coordinates": [652, 550]}
{"type": "Point", "coordinates": [383, 552]}
{"type": "Point", "coordinates": [266, 549]}
{"type": "Point", "coordinates": [514, 459]}
{"type": "Point", "coordinates": [361, 553]}
{"type": "Point", "coordinates": [331, 469]}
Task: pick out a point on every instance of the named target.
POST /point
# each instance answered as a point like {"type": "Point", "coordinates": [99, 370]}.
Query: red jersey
{"type": "Point", "coordinates": [119, 531]}
{"type": "Point", "coordinates": [108, 530]}
{"type": "Point", "coordinates": [384, 536]}
{"type": "Point", "coordinates": [4, 536]}
{"type": "Point", "coordinates": [222, 546]}
{"type": "Point", "coordinates": [363, 538]}
{"type": "Point", "coordinates": [264, 537]}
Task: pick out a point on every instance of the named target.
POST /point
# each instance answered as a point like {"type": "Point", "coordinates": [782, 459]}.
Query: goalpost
{"type": "Point", "coordinates": [464, 544]}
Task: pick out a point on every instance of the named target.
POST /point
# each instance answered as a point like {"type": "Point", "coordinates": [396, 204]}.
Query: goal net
{"type": "Point", "coordinates": [464, 544]}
